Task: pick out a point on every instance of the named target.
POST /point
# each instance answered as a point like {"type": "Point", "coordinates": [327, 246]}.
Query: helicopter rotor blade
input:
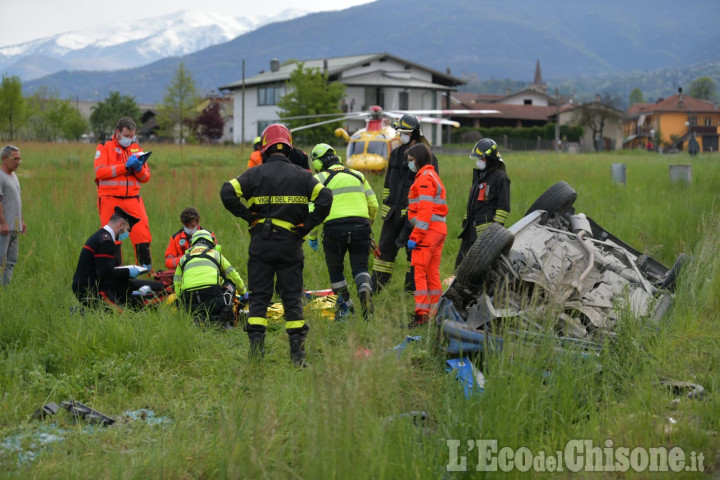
{"type": "Point", "coordinates": [304, 127]}
{"type": "Point", "coordinates": [449, 112]}
{"type": "Point", "coordinates": [423, 119]}
{"type": "Point", "coordinates": [322, 115]}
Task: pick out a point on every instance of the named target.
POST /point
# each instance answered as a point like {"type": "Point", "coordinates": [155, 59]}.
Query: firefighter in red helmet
{"type": "Point", "coordinates": [277, 195]}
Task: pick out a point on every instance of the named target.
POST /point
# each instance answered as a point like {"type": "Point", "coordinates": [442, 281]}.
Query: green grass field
{"type": "Point", "coordinates": [338, 419]}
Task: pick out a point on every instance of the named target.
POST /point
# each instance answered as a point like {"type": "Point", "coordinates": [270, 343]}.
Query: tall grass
{"type": "Point", "coordinates": [339, 419]}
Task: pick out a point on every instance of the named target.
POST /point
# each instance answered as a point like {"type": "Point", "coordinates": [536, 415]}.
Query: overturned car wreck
{"type": "Point", "coordinates": [552, 269]}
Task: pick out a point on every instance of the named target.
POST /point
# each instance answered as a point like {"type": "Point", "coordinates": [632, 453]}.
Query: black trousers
{"type": "Point", "coordinates": [120, 295]}
{"type": "Point", "coordinates": [342, 238]}
{"type": "Point", "coordinates": [468, 238]}
{"type": "Point", "coordinates": [272, 255]}
{"type": "Point", "coordinates": [383, 267]}
{"type": "Point", "coordinates": [208, 301]}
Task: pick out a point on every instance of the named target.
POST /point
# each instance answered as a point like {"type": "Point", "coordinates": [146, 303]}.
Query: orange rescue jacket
{"type": "Point", "coordinates": [255, 159]}
{"type": "Point", "coordinates": [427, 208]}
{"type": "Point", "coordinates": [111, 177]}
{"type": "Point", "coordinates": [179, 243]}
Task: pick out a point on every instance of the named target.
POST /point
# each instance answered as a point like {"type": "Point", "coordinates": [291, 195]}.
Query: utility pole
{"type": "Point", "coordinates": [242, 113]}
{"type": "Point", "coordinates": [557, 119]}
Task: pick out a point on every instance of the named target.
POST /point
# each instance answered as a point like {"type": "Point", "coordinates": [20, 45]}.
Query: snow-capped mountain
{"type": "Point", "coordinates": [119, 46]}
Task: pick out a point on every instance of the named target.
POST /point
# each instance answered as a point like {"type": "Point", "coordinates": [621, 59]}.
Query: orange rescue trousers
{"type": "Point", "coordinates": [426, 260]}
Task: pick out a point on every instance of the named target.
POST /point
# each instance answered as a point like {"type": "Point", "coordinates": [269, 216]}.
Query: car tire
{"type": "Point", "coordinates": [555, 200]}
{"type": "Point", "coordinates": [496, 240]}
{"type": "Point", "coordinates": [669, 283]}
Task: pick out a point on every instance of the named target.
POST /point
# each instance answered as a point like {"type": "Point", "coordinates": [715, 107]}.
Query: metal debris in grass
{"type": "Point", "coordinates": [145, 415]}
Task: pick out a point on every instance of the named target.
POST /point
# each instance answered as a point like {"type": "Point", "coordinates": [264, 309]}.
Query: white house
{"type": "Point", "coordinates": [380, 79]}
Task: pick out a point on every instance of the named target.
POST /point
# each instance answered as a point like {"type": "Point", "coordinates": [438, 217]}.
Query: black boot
{"type": "Point", "coordinates": [142, 254]}
{"type": "Point", "coordinates": [343, 305]}
{"type": "Point", "coordinates": [366, 305]}
{"type": "Point", "coordinates": [378, 280]}
{"type": "Point", "coordinates": [297, 351]}
{"type": "Point", "coordinates": [419, 320]}
{"type": "Point", "coordinates": [257, 345]}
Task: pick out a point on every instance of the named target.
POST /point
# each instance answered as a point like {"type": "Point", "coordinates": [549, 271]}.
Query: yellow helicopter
{"type": "Point", "coordinates": [369, 148]}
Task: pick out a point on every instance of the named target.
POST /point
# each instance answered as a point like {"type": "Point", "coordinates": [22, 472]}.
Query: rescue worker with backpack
{"type": "Point", "coordinates": [202, 279]}
{"type": "Point", "coordinates": [278, 195]}
{"type": "Point", "coordinates": [347, 229]}
{"type": "Point", "coordinates": [489, 199]}
{"type": "Point", "coordinates": [427, 212]}
{"type": "Point", "coordinates": [395, 228]}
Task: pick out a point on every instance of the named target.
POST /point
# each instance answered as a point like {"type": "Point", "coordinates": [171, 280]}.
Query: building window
{"type": "Point", "coordinates": [262, 124]}
{"type": "Point", "coordinates": [270, 95]}
{"type": "Point", "coordinates": [708, 121]}
{"type": "Point", "coordinates": [527, 101]}
{"type": "Point", "coordinates": [404, 101]}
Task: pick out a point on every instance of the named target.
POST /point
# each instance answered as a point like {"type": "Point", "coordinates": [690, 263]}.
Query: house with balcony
{"type": "Point", "coordinates": [672, 121]}
{"type": "Point", "coordinates": [388, 81]}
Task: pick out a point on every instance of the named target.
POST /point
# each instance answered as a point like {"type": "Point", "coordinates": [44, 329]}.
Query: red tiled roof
{"type": "Point", "coordinates": [519, 112]}
{"type": "Point", "coordinates": [674, 104]}
{"type": "Point", "coordinates": [469, 100]}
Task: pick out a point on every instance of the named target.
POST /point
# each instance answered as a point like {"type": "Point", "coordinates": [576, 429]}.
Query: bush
{"type": "Point", "coordinates": [546, 132]}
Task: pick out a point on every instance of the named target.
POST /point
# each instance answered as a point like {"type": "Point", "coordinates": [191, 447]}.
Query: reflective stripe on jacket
{"type": "Point", "coordinates": [352, 197]}
{"type": "Point", "coordinates": [111, 177]}
{"type": "Point", "coordinates": [277, 190]}
{"type": "Point", "coordinates": [203, 267]}
{"type": "Point", "coordinates": [427, 207]}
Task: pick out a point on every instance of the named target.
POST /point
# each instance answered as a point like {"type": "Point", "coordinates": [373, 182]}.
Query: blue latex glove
{"type": "Point", "coordinates": [149, 267]}
{"type": "Point", "coordinates": [133, 163]}
{"type": "Point", "coordinates": [134, 272]}
{"type": "Point", "coordinates": [245, 296]}
{"type": "Point", "coordinates": [313, 243]}
{"type": "Point", "coordinates": [411, 244]}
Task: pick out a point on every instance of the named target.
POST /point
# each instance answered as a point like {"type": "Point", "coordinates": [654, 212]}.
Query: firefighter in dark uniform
{"type": "Point", "coordinates": [396, 228]}
{"type": "Point", "coordinates": [347, 228]}
{"type": "Point", "coordinates": [96, 280]}
{"type": "Point", "coordinates": [278, 194]}
{"type": "Point", "coordinates": [489, 199]}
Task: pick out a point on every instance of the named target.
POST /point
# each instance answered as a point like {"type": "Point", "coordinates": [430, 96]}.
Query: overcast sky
{"type": "Point", "coordinates": [25, 20]}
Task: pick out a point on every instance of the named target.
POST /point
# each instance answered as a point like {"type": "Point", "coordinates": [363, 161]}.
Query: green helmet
{"type": "Point", "coordinates": [256, 143]}
{"type": "Point", "coordinates": [203, 236]}
{"type": "Point", "coordinates": [323, 155]}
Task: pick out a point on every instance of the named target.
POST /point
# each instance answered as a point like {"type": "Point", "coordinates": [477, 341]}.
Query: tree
{"type": "Point", "coordinates": [42, 121]}
{"type": "Point", "coordinates": [636, 96]}
{"type": "Point", "coordinates": [309, 93]}
{"type": "Point", "coordinates": [703, 88]}
{"type": "Point", "coordinates": [176, 114]}
{"type": "Point", "coordinates": [106, 114]}
{"type": "Point", "coordinates": [50, 118]}
{"type": "Point", "coordinates": [12, 104]}
{"type": "Point", "coordinates": [595, 115]}
{"type": "Point", "coordinates": [209, 124]}
{"type": "Point", "coordinates": [74, 125]}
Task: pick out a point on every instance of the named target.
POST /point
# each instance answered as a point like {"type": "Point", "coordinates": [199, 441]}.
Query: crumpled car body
{"type": "Point", "coordinates": [553, 268]}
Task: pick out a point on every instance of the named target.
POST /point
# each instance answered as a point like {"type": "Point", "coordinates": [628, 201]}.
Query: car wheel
{"type": "Point", "coordinates": [496, 240]}
{"type": "Point", "coordinates": [671, 277]}
{"type": "Point", "coordinates": [555, 200]}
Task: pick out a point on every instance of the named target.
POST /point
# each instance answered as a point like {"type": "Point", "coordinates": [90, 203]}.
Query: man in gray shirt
{"type": "Point", "coordinates": [11, 219]}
